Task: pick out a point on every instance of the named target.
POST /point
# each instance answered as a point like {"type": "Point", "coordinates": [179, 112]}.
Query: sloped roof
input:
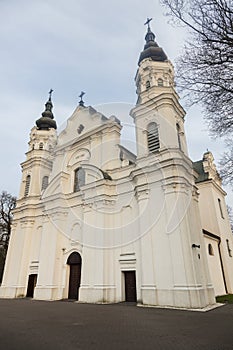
{"type": "Point", "coordinates": [198, 167]}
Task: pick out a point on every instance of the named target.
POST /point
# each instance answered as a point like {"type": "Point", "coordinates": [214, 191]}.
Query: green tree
{"type": "Point", "coordinates": [204, 70]}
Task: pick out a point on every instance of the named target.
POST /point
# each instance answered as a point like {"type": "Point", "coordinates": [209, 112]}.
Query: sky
{"type": "Point", "coordinates": [73, 46]}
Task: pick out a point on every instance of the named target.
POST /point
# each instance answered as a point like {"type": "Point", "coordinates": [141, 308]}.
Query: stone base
{"type": "Point", "coordinates": [12, 292]}
{"type": "Point", "coordinates": [189, 298]}
{"type": "Point", "coordinates": [98, 294]}
{"type": "Point", "coordinates": [185, 297]}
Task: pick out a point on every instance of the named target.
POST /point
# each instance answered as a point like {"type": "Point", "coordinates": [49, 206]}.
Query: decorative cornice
{"type": "Point", "coordinates": [27, 223]}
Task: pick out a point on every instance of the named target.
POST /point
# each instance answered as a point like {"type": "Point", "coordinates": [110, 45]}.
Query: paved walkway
{"type": "Point", "coordinates": [29, 324]}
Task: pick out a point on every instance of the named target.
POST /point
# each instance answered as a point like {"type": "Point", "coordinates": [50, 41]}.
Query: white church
{"type": "Point", "coordinates": [98, 224]}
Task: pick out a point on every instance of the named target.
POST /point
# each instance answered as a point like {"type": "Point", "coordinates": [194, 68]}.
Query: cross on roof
{"type": "Point", "coordinates": [82, 94]}
{"type": "Point", "coordinates": [148, 22]}
{"type": "Point", "coordinates": [50, 93]}
{"type": "Point", "coordinates": [81, 102]}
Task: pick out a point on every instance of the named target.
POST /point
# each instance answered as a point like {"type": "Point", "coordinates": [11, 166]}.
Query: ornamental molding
{"type": "Point", "coordinates": [27, 223]}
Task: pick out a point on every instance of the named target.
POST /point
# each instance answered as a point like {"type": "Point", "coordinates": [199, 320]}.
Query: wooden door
{"type": "Point", "coordinates": [32, 279]}
{"type": "Point", "coordinates": [74, 281]}
{"type": "Point", "coordinates": [130, 286]}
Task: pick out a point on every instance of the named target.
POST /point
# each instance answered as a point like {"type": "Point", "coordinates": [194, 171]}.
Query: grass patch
{"type": "Point", "coordinates": [228, 298]}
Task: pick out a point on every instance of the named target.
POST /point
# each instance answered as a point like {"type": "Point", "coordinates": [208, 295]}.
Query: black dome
{"type": "Point", "coordinates": [46, 122]}
{"type": "Point", "coordinates": [151, 49]}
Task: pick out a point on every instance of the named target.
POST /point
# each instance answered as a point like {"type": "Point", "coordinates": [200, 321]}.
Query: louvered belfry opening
{"type": "Point", "coordinates": [27, 185]}
{"type": "Point", "coordinates": [153, 137]}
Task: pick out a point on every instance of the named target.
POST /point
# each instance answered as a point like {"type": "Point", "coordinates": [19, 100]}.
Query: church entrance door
{"type": "Point", "coordinates": [130, 286]}
{"type": "Point", "coordinates": [32, 279]}
{"type": "Point", "coordinates": [75, 262]}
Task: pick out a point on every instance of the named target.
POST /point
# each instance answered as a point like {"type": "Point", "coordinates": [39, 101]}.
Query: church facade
{"type": "Point", "coordinates": [96, 223]}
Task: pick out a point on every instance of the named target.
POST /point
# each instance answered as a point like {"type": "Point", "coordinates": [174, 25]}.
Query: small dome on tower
{"type": "Point", "coordinates": [151, 48]}
{"type": "Point", "coordinates": [46, 122]}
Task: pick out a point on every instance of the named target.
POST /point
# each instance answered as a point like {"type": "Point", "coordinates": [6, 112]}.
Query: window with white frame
{"type": "Point", "coordinates": [160, 82]}
{"type": "Point", "coordinates": [153, 137]}
{"type": "Point", "coordinates": [45, 182]}
{"type": "Point", "coordinates": [79, 178]}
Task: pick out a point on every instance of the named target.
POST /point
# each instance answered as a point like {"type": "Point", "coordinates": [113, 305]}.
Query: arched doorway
{"type": "Point", "coordinates": [75, 263]}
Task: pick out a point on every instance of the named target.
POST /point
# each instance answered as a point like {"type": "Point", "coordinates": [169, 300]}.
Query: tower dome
{"type": "Point", "coordinates": [151, 48]}
{"type": "Point", "coordinates": [46, 122]}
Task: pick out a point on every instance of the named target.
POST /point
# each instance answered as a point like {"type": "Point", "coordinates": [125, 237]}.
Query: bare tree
{"type": "Point", "coordinates": [230, 214]}
{"type": "Point", "coordinates": [226, 164]}
{"type": "Point", "coordinates": [205, 68]}
{"type": "Point", "coordinates": [7, 204]}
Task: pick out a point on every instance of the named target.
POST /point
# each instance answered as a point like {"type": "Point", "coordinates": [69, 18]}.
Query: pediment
{"type": "Point", "coordinates": [82, 121]}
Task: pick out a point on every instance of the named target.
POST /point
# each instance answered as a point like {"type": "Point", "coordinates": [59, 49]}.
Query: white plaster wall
{"type": "Point", "coordinates": [213, 222]}
{"type": "Point", "coordinates": [215, 266]}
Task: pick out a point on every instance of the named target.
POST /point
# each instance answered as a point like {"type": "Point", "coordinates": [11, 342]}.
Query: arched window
{"type": "Point", "coordinates": [45, 182]}
{"type": "Point", "coordinates": [41, 145]}
{"type": "Point", "coordinates": [79, 179]}
{"type": "Point", "coordinates": [147, 84]}
{"type": "Point", "coordinates": [153, 137]}
{"type": "Point", "coordinates": [210, 249]}
{"type": "Point", "coordinates": [27, 185]}
{"type": "Point", "coordinates": [160, 82]}
{"type": "Point", "coordinates": [178, 135]}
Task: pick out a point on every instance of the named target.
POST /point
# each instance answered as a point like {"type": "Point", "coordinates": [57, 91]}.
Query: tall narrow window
{"type": "Point", "coordinates": [220, 208]}
{"type": "Point", "coordinates": [153, 137]}
{"type": "Point", "coordinates": [210, 249]}
{"type": "Point", "coordinates": [41, 145]}
{"type": "Point", "coordinates": [228, 248]}
{"type": "Point", "coordinates": [45, 182]}
{"type": "Point", "coordinates": [178, 135]}
{"type": "Point", "coordinates": [79, 179]}
{"type": "Point", "coordinates": [27, 185]}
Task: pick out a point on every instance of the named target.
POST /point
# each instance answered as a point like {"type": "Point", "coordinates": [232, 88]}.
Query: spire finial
{"type": "Point", "coordinates": [50, 94]}
{"type": "Point", "coordinates": [151, 48]}
{"type": "Point", "coordinates": [148, 22]}
{"type": "Point", "coordinates": [149, 35]}
{"type": "Point", "coordinates": [46, 122]}
{"type": "Point", "coordinates": [81, 102]}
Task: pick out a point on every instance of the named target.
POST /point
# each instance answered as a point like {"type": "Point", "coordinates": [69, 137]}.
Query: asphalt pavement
{"type": "Point", "coordinates": [38, 325]}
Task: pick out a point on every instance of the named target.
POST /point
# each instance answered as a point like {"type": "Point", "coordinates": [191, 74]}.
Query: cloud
{"type": "Point", "coordinates": [72, 46]}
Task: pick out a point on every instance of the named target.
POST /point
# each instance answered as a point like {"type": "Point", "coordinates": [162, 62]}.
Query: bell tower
{"type": "Point", "coordinates": [158, 115]}
{"type": "Point", "coordinates": [169, 181]}
{"type": "Point", "coordinates": [37, 167]}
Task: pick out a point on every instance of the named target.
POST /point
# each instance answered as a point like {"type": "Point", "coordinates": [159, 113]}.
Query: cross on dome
{"type": "Point", "coordinates": [50, 94]}
{"type": "Point", "coordinates": [148, 22]}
